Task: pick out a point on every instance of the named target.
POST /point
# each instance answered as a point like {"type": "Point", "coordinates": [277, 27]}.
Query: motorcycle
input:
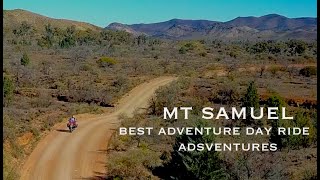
{"type": "Point", "coordinates": [72, 126]}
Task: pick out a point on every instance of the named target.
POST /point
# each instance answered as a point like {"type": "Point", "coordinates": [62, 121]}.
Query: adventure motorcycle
{"type": "Point", "coordinates": [72, 126]}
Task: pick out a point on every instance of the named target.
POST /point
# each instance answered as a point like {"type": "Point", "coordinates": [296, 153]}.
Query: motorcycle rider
{"type": "Point", "coordinates": [73, 121]}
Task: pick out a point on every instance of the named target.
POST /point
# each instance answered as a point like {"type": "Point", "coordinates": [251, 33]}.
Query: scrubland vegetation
{"type": "Point", "coordinates": [160, 158]}
{"type": "Point", "coordinates": [52, 74]}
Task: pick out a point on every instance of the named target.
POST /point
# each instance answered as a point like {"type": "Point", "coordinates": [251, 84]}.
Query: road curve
{"type": "Point", "coordinates": [81, 155]}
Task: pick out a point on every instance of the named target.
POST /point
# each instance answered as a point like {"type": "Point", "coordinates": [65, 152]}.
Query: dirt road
{"type": "Point", "coordinates": [81, 155]}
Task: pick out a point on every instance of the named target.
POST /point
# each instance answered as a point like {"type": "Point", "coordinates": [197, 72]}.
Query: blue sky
{"type": "Point", "coordinates": [103, 12]}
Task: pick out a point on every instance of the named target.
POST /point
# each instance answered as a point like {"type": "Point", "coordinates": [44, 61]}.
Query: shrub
{"type": "Point", "coordinates": [310, 174]}
{"type": "Point", "coordinates": [69, 39]}
{"type": "Point", "coordinates": [132, 164]}
{"type": "Point", "coordinates": [182, 50]}
{"type": "Point", "coordinates": [296, 47]}
{"type": "Point", "coordinates": [9, 167]}
{"type": "Point", "coordinates": [226, 95]}
{"type": "Point", "coordinates": [43, 101]}
{"type": "Point", "coordinates": [192, 46]}
{"type": "Point", "coordinates": [167, 96]}
{"type": "Point", "coordinates": [301, 120]}
{"type": "Point", "coordinates": [9, 128]}
{"type": "Point", "coordinates": [25, 59]}
{"type": "Point", "coordinates": [7, 90]}
{"type": "Point", "coordinates": [308, 71]}
{"type": "Point", "coordinates": [276, 101]}
{"type": "Point", "coordinates": [106, 62]}
{"type": "Point", "coordinates": [274, 70]}
{"type": "Point", "coordinates": [203, 54]}
{"type": "Point", "coordinates": [251, 99]}
{"type": "Point", "coordinates": [121, 83]}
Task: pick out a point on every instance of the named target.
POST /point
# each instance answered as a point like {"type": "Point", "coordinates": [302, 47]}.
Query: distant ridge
{"type": "Point", "coordinates": [271, 26]}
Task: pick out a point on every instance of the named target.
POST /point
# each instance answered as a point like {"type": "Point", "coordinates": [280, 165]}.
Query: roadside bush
{"type": "Point", "coordinates": [9, 167]}
{"type": "Point", "coordinates": [121, 83]}
{"type": "Point", "coordinates": [133, 164]}
{"type": "Point", "coordinates": [167, 96]}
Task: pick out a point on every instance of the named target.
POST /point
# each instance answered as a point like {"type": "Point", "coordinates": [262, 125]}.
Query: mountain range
{"type": "Point", "coordinates": [270, 27]}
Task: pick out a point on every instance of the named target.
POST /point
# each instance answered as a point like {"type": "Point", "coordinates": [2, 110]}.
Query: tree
{"type": "Point", "coordinates": [7, 90]}
{"type": "Point", "coordinates": [297, 47]}
{"type": "Point", "coordinates": [87, 37]}
{"type": "Point", "coordinates": [47, 39]}
{"type": "Point", "coordinates": [141, 39]}
{"type": "Point", "coordinates": [251, 99]}
{"type": "Point", "coordinates": [23, 29]}
{"type": "Point", "coordinates": [276, 101]}
{"type": "Point", "coordinates": [69, 38]}
{"type": "Point", "coordinates": [24, 59]}
{"type": "Point", "coordinates": [24, 33]}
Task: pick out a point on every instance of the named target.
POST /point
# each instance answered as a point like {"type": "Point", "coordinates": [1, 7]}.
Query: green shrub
{"type": "Point", "coordinates": [7, 90]}
{"type": "Point", "coordinates": [25, 59]}
{"type": "Point", "coordinates": [106, 62]}
{"type": "Point", "coordinates": [182, 50]}
{"type": "Point", "coordinates": [301, 120]}
{"type": "Point", "coordinates": [192, 46]}
{"type": "Point", "coordinates": [276, 101]}
{"type": "Point", "coordinates": [250, 99]}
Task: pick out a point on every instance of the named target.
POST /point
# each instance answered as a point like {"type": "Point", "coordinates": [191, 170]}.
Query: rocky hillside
{"type": "Point", "coordinates": [13, 18]}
